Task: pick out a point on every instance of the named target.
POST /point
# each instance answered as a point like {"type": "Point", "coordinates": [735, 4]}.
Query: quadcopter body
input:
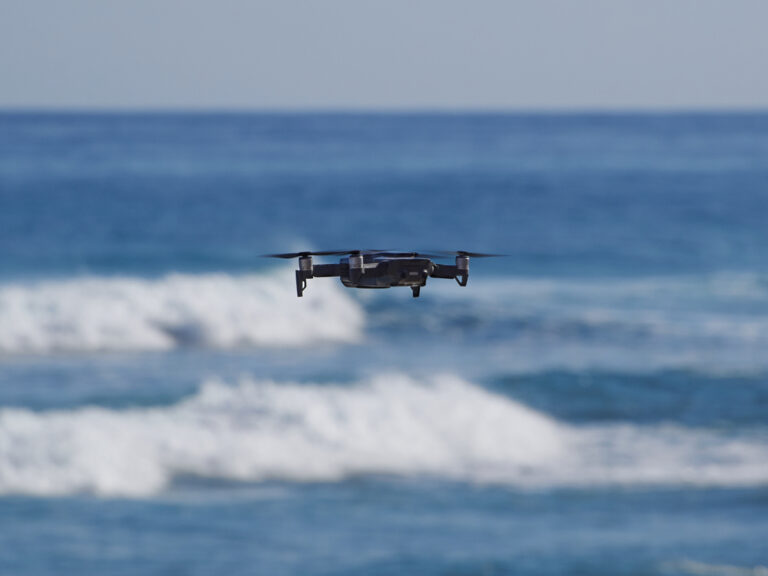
{"type": "Point", "coordinates": [377, 269]}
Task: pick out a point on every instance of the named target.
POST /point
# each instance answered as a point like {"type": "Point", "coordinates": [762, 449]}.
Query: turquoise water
{"type": "Point", "coordinates": [594, 403]}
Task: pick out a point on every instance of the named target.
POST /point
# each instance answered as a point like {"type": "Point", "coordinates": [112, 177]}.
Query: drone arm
{"type": "Point", "coordinates": [318, 271]}
{"type": "Point", "coordinates": [326, 270]}
{"type": "Point", "coordinates": [444, 271]}
{"type": "Point", "coordinates": [448, 271]}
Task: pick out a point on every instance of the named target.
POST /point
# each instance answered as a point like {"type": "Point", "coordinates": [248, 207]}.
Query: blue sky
{"type": "Point", "coordinates": [395, 54]}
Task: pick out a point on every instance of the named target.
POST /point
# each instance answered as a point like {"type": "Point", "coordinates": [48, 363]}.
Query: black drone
{"type": "Point", "coordinates": [381, 268]}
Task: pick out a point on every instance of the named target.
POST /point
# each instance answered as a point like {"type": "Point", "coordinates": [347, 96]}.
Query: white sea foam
{"type": "Point", "coordinates": [445, 427]}
{"type": "Point", "coordinates": [706, 322]}
{"type": "Point", "coordinates": [221, 311]}
{"type": "Point", "coordinates": [715, 323]}
{"type": "Point", "coordinates": [732, 306]}
{"type": "Point", "coordinates": [703, 569]}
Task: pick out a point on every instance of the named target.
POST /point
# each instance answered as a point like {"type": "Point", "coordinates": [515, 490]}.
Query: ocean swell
{"type": "Point", "coordinates": [444, 427]}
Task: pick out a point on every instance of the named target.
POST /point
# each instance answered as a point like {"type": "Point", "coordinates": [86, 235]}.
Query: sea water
{"type": "Point", "coordinates": [594, 403]}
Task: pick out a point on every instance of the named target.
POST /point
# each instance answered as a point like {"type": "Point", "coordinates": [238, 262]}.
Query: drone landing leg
{"type": "Point", "coordinates": [301, 283]}
{"type": "Point", "coordinates": [416, 291]}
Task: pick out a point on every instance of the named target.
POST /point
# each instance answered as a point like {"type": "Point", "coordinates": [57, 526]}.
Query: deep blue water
{"type": "Point", "coordinates": [594, 403]}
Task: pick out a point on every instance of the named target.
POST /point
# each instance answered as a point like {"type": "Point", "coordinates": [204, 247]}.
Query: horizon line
{"type": "Point", "coordinates": [384, 110]}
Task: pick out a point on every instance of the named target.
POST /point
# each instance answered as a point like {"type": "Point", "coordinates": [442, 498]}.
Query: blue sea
{"type": "Point", "coordinates": [595, 402]}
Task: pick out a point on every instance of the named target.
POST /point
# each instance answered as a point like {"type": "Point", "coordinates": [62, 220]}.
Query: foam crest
{"type": "Point", "coordinates": [727, 306]}
{"type": "Point", "coordinates": [445, 427]}
{"type": "Point", "coordinates": [220, 311]}
{"type": "Point", "coordinates": [712, 323]}
{"type": "Point", "coordinates": [704, 569]}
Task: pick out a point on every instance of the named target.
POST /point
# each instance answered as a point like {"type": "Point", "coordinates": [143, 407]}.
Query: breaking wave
{"type": "Point", "coordinates": [710, 322]}
{"type": "Point", "coordinates": [445, 427]}
{"type": "Point", "coordinates": [703, 569]}
{"type": "Point", "coordinates": [131, 314]}
{"type": "Point", "coordinates": [724, 306]}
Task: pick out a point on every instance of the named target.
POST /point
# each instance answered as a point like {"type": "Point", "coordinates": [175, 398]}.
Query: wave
{"type": "Point", "coordinates": [132, 314]}
{"type": "Point", "coordinates": [714, 323]}
{"type": "Point", "coordinates": [733, 306]}
{"type": "Point", "coordinates": [444, 427]}
{"type": "Point", "coordinates": [703, 569]}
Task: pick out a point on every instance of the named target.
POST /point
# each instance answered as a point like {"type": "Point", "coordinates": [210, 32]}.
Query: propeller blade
{"type": "Point", "coordinates": [305, 253]}
{"type": "Point", "coordinates": [389, 253]}
{"type": "Point", "coordinates": [470, 254]}
{"type": "Point", "coordinates": [288, 255]}
{"type": "Point", "coordinates": [479, 254]}
{"type": "Point", "coordinates": [393, 254]}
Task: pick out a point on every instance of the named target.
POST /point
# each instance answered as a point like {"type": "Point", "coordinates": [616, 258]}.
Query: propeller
{"type": "Point", "coordinates": [391, 253]}
{"type": "Point", "coordinates": [288, 255]}
{"type": "Point", "coordinates": [470, 254]}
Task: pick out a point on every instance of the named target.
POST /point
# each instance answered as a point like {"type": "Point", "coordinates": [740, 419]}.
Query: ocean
{"type": "Point", "coordinates": [595, 402]}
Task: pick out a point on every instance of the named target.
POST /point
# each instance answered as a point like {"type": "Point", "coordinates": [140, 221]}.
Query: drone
{"type": "Point", "coordinates": [381, 268]}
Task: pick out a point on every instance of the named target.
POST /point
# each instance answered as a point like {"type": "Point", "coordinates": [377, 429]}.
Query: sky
{"type": "Point", "coordinates": [387, 54]}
